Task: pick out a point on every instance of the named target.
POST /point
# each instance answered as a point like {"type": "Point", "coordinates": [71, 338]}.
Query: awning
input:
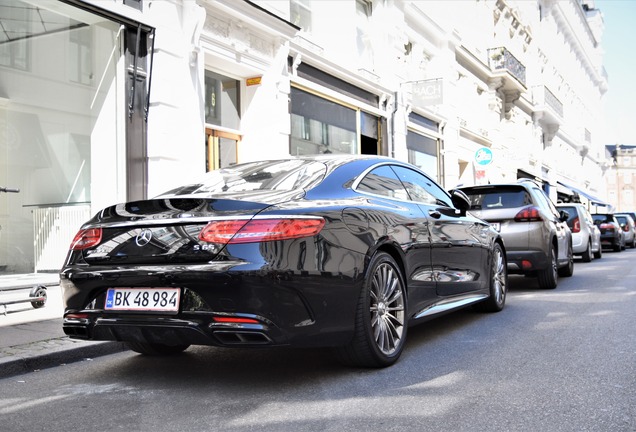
{"type": "Point", "coordinates": [591, 198]}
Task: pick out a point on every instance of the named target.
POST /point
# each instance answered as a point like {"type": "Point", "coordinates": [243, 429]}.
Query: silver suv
{"type": "Point", "coordinates": [629, 229]}
{"type": "Point", "coordinates": [537, 239]}
{"type": "Point", "coordinates": [586, 237]}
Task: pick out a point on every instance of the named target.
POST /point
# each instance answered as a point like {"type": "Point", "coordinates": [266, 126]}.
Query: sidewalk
{"type": "Point", "coordinates": [33, 339]}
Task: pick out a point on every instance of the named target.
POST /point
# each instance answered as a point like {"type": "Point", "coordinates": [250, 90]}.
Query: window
{"type": "Point", "coordinates": [627, 178]}
{"type": "Point", "coordinates": [15, 41]}
{"type": "Point", "coordinates": [420, 188]}
{"type": "Point", "coordinates": [363, 32]}
{"type": "Point", "coordinates": [628, 197]}
{"type": "Point", "coordinates": [383, 181]}
{"type": "Point", "coordinates": [422, 152]}
{"type": "Point", "coordinates": [221, 100]}
{"type": "Point", "coordinates": [80, 63]}
{"type": "Point", "coordinates": [300, 14]}
{"type": "Point", "coordinates": [321, 126]}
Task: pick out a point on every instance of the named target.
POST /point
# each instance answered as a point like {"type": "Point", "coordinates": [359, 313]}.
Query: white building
{"type": "Point", "coordinates": [107, 101]}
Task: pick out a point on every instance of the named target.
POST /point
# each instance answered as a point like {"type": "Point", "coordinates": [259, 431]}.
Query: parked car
{"type": "Point", "coordinates": [586, 237]}
{"type": "Point", "coordinates": [335, 251]}
{"type": "Point", "coordinates": [629, 228]}
{"type": "Point", "coordinates": [538, 241]}
{"type": "Point", "coordinates": [611, 231]}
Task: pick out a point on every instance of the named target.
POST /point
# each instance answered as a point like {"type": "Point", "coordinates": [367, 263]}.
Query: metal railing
{"type": "Point", "coordinates": [501, 59]}
{"type": "Point", "coordinates": [53, 230]}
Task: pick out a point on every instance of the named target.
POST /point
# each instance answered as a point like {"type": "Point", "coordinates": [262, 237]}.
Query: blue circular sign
{"type": "Point", "coordinates": [483, 156]}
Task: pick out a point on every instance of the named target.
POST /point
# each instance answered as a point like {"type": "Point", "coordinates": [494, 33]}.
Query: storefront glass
{"type": "Point", "coordinates": [321, 126]}
{"type": "Point", "coordinates": [58, 127]}
{"type": "Point", "coordinates": [422, 151]}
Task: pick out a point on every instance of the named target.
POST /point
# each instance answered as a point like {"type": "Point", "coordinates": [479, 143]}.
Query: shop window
{"type": "Point", "coordinates": [321, 126]}
{"type": "Point", "coordinates": [422, 152]}
{"type": "Point", "coordinates": [222, 101]}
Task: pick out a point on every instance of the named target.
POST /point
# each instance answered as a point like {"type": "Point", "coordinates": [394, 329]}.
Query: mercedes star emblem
{"type": "Point", "coordinates": [144, 237]}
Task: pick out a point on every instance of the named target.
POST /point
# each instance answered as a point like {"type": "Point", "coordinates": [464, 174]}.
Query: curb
{"type": "Point", "coordinates": [32, 357]}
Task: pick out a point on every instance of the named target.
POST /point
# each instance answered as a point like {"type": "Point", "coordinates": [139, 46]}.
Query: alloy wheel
{"type": "Point", "coordinates": [387, 308]}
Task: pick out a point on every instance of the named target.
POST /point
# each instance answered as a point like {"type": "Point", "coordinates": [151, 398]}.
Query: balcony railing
{"type": "Point", "coordinates": [552, 101]}
{"type": "Point", "coordinates": [542, 96]}
{"type": "Point", "coordinates": [501, 59]}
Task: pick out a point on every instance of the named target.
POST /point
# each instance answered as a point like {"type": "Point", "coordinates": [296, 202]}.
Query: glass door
{"type": "Point", "coordinates": [221, 149]}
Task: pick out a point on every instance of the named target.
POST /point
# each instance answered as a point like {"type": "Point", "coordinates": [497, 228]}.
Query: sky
{"type": "Point", "coordinates": [619, 44]}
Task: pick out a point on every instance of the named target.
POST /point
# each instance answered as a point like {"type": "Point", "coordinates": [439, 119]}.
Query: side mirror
{"type": "Point", "coordinates": [564, 215]}
{"type": "Point", "coordinates": [460, 200]}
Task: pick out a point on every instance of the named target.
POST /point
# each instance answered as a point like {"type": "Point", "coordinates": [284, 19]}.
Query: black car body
{"type": "Point", "coordinates": [611, 231]}
{"type": "Point", "coordinates": [342, 252]}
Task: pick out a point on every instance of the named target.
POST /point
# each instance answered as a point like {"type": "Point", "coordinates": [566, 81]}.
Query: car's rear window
{"type": "Point", "coordinates": [498, 197]}
{"type": "Point", "coordinates": [572, 214]}
{"type": "Point", "coordinates": [601, 218]}
{"type": "Point", "coordinates": [282, 175]}
{"type": "Point", "coordinates": [621, 220]}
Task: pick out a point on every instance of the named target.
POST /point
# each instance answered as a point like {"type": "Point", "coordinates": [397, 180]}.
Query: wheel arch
{"type": "Point", "coordinates": [394, 250]}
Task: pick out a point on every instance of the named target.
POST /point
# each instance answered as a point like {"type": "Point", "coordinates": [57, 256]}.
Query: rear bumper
{"type": "Point", "coordinates": [293, 308]}
{"type": "Point", "coordinates": [520, 262]}
{"type": "Point", "coordinates": [171, 331]}
{"type": "Point", "coordinates": [610, 240]}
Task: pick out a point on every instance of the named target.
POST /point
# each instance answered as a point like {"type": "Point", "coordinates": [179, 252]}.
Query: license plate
{"type": "Point", "coordinates": [143, 299]}
{"type": "Point", "coordinates": [496, 226]}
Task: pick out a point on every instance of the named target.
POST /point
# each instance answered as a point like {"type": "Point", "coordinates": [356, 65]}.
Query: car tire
{"type": "Point", "coordinates": [599, 253]}
{"type": "Point", "coordinates": [498, 282]}
{"type": "Point", "coordinates": [568, 269]}
{"type": "Point", "coordinates": [381, 320]}
{"type": "Point", "coordinates": [548, 276]}
{"type": "Point", "coordinates": [155, 349]}
{"type": "Point", "coordinates": [618, 247]}
{"type": "Point", "coordinates": [587, 255]}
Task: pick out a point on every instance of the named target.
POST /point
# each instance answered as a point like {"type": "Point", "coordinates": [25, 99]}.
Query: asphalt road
{"type": "Point", "coordinates": [558, 360]}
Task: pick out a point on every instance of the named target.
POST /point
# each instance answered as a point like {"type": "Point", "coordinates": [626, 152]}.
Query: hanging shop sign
{"type": "Point", "coordinates": [427, 92]}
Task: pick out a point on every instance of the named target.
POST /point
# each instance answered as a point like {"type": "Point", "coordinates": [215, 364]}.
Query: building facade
{"type": "Point", "coordinates": [621, 177]}
{"type": "Point", "coordinates": [126, 99]}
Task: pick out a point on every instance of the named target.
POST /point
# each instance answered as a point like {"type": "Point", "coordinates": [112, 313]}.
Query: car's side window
{"type": "Point", "coordinates": [420, 188]}
{"type": "Point", "coordinates": [384, 182]}
{"type": "Point", "coordinates": [545, 201]}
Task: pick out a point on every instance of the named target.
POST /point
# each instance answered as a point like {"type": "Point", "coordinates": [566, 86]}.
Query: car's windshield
{"type": "Point", "coordinates": [280, 175]}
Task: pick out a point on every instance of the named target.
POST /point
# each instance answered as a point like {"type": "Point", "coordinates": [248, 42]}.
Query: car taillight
{"type": "Point", "coordinates": [528, 214]}
{"type": "Point", "coordinates": [576, 225]}
{"type": "Point", "coordinates": [86, 238]}
{"type": "Point", "coordinates": [626, 228]}
{"type": "Point", "coordinates": [607, 227]}
{"type": "Point", "coordinates": [260, 230]}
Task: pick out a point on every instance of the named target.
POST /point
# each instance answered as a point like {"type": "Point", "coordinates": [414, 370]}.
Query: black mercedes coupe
{"type": "Point", "coordinates": [333, 251]}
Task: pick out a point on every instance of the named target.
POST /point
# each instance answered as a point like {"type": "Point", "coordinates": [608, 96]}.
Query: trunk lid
{"type": "Point", "coordinates": [166, 230]}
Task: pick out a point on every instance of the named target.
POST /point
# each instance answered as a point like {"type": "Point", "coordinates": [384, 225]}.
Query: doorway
{"type": "Point", "coordinates": [221, 149]}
